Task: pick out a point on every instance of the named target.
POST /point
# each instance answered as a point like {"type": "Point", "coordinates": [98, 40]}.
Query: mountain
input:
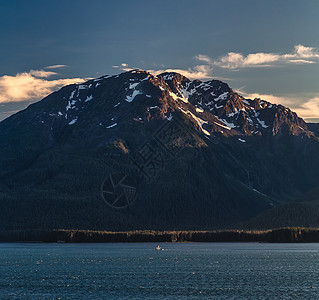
{"type": "Point", "coordinates": [138, 151]}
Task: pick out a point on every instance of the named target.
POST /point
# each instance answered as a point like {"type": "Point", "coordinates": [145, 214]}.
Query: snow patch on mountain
{"type": "Point", "coordinates": [186, 91]}
{"type": "Point", "coordinates": [200, 110]}
{"type": "Point", "coordinates": [83, 87]}
{"type": "Point", "coordinates": [228, 124]}
{"type": "Point", "coordinates": [88, 98]}
{"type": "Point", "coordinates": [228, 128]}
{"type": "Point", "coordinates": [168, 77]}
{"type": "Point", "coordinates": [72, 95]}
{"type": "Point", "coordinates": [199, 121]}
{"type": "Point", "coordinates": [170, 117]}
{"type": "Point", "coordinates": [175, 97]}
{"type": "Point", "coordinates": [133, 85]}
{"type": "Point", "coordinates": [261, 122]}
{"type": "Point", "coordinates": [71, 105]}
{"type": "Point", "coordinates": [73, 121]}
{"type": "Point", "coordinates": [131, 98]}
{"type": "Point", "coordinates": [111, 126]}
{"type": "Point", "coordinates": [222, 96]}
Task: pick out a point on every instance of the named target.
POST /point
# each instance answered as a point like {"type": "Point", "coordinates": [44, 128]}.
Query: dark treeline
{"type": "Point", "coordinates": [282, 235]}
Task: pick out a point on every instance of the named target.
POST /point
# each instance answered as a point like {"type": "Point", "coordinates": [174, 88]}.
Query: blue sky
{"type": "Point", "coordinates": [266, 49]}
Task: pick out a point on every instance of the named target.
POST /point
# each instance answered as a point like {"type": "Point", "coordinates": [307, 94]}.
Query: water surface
{"type": "Point", "coordinates": [138, 271]}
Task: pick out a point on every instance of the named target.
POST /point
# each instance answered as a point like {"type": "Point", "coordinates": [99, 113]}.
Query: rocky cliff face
{"type": "Point", "coordinates": [136, 150]}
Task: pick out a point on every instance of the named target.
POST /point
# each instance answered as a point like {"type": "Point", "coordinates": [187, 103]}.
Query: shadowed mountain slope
{"type": "Point", "coordinates": [138, 151]}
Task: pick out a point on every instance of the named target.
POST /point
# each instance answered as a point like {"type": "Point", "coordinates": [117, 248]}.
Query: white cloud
{"type": "Point", "coordinates": [234, 60]}
{"type": "Point", "coordinates": [305, 52]}
{"type": "Point", "coordinates": [286, 101]}
{"type": "Point", "coordinates": [301, 61]}
{"type": "Point", "coordinates": [30, 86]}
{"type": "Point", "coordinates": [204, 58]}
{"type": "Point", "coordinates": [198, 72]}
{"type": "Point", "coordinates": [123, 66]}
{"type": "Point", "coordinates": [305, 108]}
{"type": "Point", "coordinates": [56, 67]}
{"type": "Point", "coordinates": [309, 109]}
{"type": "Point", "coordinates": [41, 73]}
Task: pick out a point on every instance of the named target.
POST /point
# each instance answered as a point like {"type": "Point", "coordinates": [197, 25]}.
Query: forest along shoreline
{"type": "Point", "coordinates": [280, 235]}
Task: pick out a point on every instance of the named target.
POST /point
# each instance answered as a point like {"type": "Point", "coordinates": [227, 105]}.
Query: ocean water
{"type": "Point", "coordinates": [138, 271]}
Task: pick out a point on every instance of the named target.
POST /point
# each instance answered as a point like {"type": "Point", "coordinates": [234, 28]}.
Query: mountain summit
{"type": "Point", "coordinates": [138, 151]}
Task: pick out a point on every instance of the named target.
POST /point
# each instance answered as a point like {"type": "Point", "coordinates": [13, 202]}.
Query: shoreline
{"type": "Point", "coordinates": [279, 235]}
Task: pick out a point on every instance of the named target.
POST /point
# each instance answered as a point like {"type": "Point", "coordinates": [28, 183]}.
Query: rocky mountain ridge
{"type": "Point", "coordinates": [212, 104]}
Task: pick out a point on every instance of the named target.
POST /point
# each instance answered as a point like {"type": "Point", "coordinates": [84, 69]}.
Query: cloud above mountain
{"type": "Point", "coordinates": [36, 84]}
{"type": "Point", "coordinates": [234, 60]}
{"type": "Point", "coordinates": [306, 108]}
{"type": "Point", "coordinates": [56, 67]}
{"type": "Point", "coordinates": [197, 72]}
{"type": "Point", "coordinates": [32, 85]}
